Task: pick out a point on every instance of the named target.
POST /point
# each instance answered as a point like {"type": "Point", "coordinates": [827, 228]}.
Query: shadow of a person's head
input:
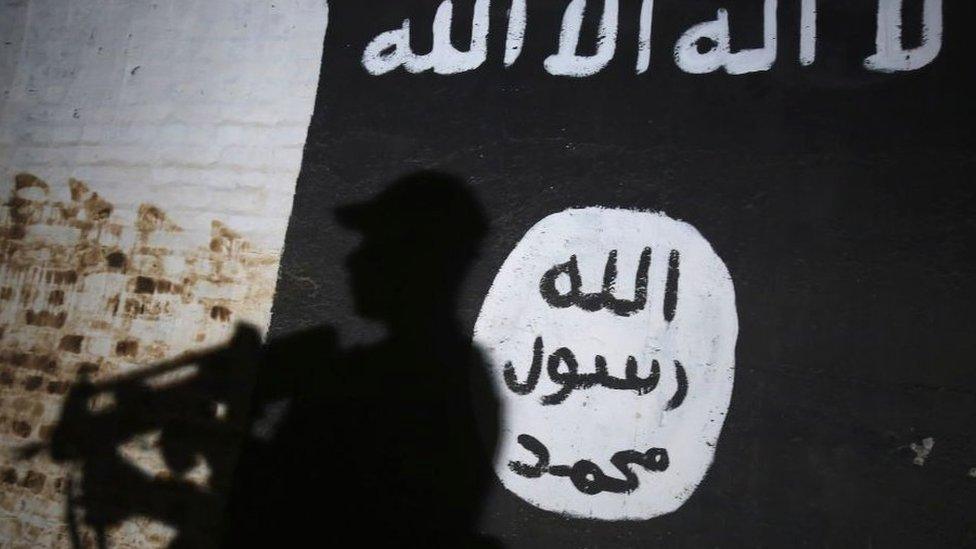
{"type": "Point", "coordinates": [420, 235]}
{"type": "Point", "coordinates": [387, 430]}
{"type": "Point", "coordinates": [407, 422]}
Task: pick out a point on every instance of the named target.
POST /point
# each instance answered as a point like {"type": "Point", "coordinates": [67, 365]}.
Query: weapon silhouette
{"type": "Point", "coordinates": [200, 415]}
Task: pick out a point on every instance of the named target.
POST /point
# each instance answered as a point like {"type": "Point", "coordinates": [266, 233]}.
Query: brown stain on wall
{"type": "Point", "coordinates": [71, 343]}
{"type": "Point", "coordinates": [56, 297]}
{"type": "Point", "coordinates": [115, 260]}
{"type": "Point", "coordinates": [219, 312]}
{"type": "Point", "coordinates": [128, 347]}
{"type": "Point", "coordinates": [87, 291]}
{"type": "Point", "coordinates": [45, 319]}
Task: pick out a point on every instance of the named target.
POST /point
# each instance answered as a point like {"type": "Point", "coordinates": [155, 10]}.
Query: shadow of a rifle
{"type": "Point", "coordinates": [203, 414]}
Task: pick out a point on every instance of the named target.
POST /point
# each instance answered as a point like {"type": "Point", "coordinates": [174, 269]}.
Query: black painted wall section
{"type": "Point", "coordinates": [841, 200]}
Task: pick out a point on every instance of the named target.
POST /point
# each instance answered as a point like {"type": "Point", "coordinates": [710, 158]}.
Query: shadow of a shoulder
{"type": "Point", "coordinates": [393, 439]}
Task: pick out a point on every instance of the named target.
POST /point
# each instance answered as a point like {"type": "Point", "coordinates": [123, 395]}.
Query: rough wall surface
{"type": "Point", "coordinates": [839, 198]}
{"type": "Point", "coordinates": [148, 156]}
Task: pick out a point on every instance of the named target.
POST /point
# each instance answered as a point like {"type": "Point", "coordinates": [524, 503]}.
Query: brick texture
{"type": "Point", "coordinates": [148, 157]}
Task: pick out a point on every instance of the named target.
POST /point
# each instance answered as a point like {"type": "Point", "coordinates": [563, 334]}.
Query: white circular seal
{"type": "Point", "coordinates": [610, 337]}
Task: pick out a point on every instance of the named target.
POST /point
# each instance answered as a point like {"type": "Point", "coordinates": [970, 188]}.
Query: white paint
{"type": "Point", "coordinates": [808, 32]}
{"type": "Point", "coordinates": [444, 58]}
{"type": "Point", "coordinates": [922, 450]}
{"type": "Point", "coordinates": [690, 60]}
{"type": "Point", "coordinates": [391, 49]}
{"type": "Point", "coordinates": [388, 51]}
{"type": "Point", "coordinates": [890, 56]}
{"type": "Point", "coordinates": [565, 62]}
{"type": "Point", "coordinates": [644, 36]}
{"type": "Point", "coordinates": [596, 422]}
{"type": "Point", "coordinates": [686, 53]}
{"type": "Point", "coordinates": [758, 59]}
{"type": "Point", "coordinates": [516, 32]}
{"type": "Point", "coordinates": [199, 107]}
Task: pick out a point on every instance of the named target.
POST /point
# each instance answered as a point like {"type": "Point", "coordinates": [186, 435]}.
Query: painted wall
{"type": "Point", "coordinates": [817, 149]}
{"type": "Point", "coordinates": [148, 156]}
{"type": "Point", "coordinates": [791, 362]}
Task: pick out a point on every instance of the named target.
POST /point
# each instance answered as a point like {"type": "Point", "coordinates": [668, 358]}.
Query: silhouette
{"type": "Point", "coordinates": [379, 444]}
{"type": "Point", "coordinates": [202, 415]}
{"type": "Point", "coordinates": [385, 444]}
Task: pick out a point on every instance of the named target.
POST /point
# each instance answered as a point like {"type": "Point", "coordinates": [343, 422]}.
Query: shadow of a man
{"type": "Point", "coordinates": [388, 443]}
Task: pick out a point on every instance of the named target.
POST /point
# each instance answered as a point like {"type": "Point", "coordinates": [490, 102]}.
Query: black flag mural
{"type": "Point", "coordinates": [622, 273]}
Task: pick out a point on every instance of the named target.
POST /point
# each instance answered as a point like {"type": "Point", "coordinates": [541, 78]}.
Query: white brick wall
{"type": "Point", "coordinates": [200, 106]}
{"type": "Point", "coordinates": [188, 119]}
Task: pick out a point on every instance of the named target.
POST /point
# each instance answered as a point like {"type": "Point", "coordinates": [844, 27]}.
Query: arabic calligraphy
{"type": "Point", "coordinates": [571, 379]}
{"type": "Point", "coordinates": [703, 48]}
{"type": "Point", "coordinates": [587, 476]}
{"type": "Point", "coordinates": [671, 286]}
{"type": "Point", "coordinates": [605, 299]}
{"type": "Point", "coordinates": [611, 341]}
